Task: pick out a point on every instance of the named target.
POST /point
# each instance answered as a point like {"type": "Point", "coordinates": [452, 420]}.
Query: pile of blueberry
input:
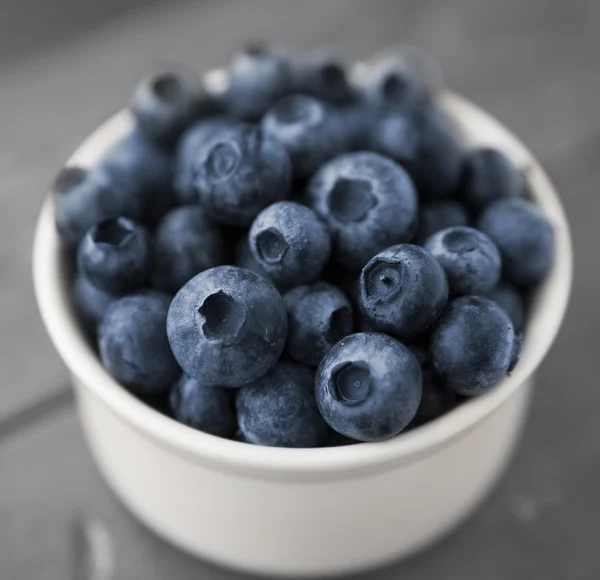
{"type": "Point", "coordinates": [302, 258]}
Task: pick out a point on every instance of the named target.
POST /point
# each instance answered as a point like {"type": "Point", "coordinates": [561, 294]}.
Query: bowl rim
{"type": "Point", "coordinates": [545, 319]}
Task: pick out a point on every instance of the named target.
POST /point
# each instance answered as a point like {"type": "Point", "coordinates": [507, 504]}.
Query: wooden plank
{"type": "Point", "coordinates": [30, 25]}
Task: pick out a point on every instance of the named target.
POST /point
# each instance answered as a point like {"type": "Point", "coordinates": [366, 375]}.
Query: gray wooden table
{"type": "Point", "coordinates": [533, 64]}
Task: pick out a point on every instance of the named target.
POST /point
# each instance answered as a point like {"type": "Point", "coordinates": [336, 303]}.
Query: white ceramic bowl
{"type": "Point", "coordinates": [302, 511]}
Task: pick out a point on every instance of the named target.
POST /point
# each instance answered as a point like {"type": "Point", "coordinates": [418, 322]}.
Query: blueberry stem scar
{"type": "Point", "coordinates": [393, 87]}
{"type": "Point", "coordinates": [223, 315]}
{"type": "Point", "coordinates": [222, 161]}
{"type": "Point", "coordinates": [351, 383]}
{"type": "Point", "coordinates": [351, 200]}
{"type": "Point", "coordinates": [459, 241]}
{"type": "Point", "coordinates": [271, 246]}
{"type": "Point", "coordinates": [167, 87]}
{"type": "Point", "coordinates": [383, 280]}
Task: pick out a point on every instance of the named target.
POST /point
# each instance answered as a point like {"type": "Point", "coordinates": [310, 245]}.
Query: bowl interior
{"type": "Point", "coordinates": [545, 316]}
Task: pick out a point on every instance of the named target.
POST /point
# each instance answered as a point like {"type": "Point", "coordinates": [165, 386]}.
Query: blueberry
{"type": "Point", "coordinates": [209, 409]}
{"type": "Point", "coordinates": [245, 259]}
{"type": "Point", "coordinates": [368, 387]}
{"type": "Point", "coordinates": [422, 66]}
{"type": "Point", "coordinates": [227, 326]}
{"type": "Point", "coordinates": [280, 410]}
{"type": "Point", "coordinates": [435, 401]}
{"type": "Point", "coordinates": [392, 84]}
{"type": "Point", "coordinates": [166, 103]}
{"type": "Point", "coordinates": [516, 351]}
{"type": "Point", "coordinates": [395, 134]}
{"type": "Point", "coordinates": [133, 343]}
{"type": "Point", "coordinates": [403, 290]}
{"type": "Point", "coordinates": [425, 143]}
{"type": "Point", "coordinates": [436, 169]}
{"type": "Point", "coordinates": [319, 316]}
{"type": "Point", "coordinates": [310, 130]}
{"type": "Point", "coordinates": [356, 121]}
{"type": "Point", "coordinates": [507, 296]}
{"type": "Point", "coordinates": [323, 77]}
{"type": "Point", "coordinates": [148, 172]}
{"type": "Point", "coordinates": [259, 76]}
{"type": "Point", "coordinates": [524, 237]}
{"type": "Point", "coordinates": [90, 302]}
{"type": "Point", "coordinates": [84, 197]}
{"type": "Point", "coordinates": [290, 242]}
{"type": "Point", "coordinates": [420, 351]}
{"type": "Point", "coordinates": [369, 203]}
{"type": "Point", "coordinates": [187, 243]}
{"type": "Point", "coordinates": [440, 215]}
{"type": "Point", "coordinates": [189, 144]}
{"type": "Point", "coordinates": [470, 259]}
{"type": "Point", "coordinates": [238, 171]}
{"type": "Point", "coordinates": [116, 255]}
{"type": "Point", "coordinates": [489, 175]}
{"type": "Point", "coordinates": [471, 347]}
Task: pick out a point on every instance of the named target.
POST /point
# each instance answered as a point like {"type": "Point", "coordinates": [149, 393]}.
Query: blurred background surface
{"type": "Point", "coordinates": [66, 65]}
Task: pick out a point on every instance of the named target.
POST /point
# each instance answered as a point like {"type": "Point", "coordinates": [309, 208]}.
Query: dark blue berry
{"type": "Point", "coordinates": [279, 409]}
{"type": "Point", "coordinates": [489, 175]}
{"type": "Point", "coordinates": [516, 352]}
{"type": "Point", "coordinates": [238, 171]}
{"type": "Point", "coordinates": [166, 103]}
{"type": "Point", "coordinates": [189, 145]}
{"type": "Point", "coordinates": [147, 170]}
{"type": "Point", "coordinates": [472, 345]}
{"type": "Point", "coordinates": [435, 401]}
{"type": "Point", "coordinates": [227, 326]}
{"type": "Point", "coordinates": [425, 143]}
{"type": "Point", "coordinates": [368, 387]}
{"type": "Point", "coordinates": [395, 134]}
{"type": "Point", "coordinates": [524, 237]}
{"type": "Point", "coordinates": [356, 122]}
{"type": "Point", "coordinates": [436, 168]}
{"type": "Point", "coordinates": [117, 255]}
{"type": "Point", "coordinates": [133, 343]}
{"type": "Point", "coordinates": [440, 215]}
{"type": "Point", "coordinates": [323, 77]}
{"type": "Point", "coordinates": [91, 303]}
{"type": "Point", "coordinates": [420, 351]}
{"type": "Point", "coordinates": [290, 243]}
{"type": "Point", "coordinates": [393, 84]}
{"type": "Point", "coordinates": [369, 203]}
{"type": "Point", "coordinates": [310, 130]}
{"type": "Point", "coordinates": [84, 197]}
{"type": "Point", "coordinates": [470, 259]}
{"type": "Point", "coordinates": [259, 76]}
{"type": "Point", "coordinates": [403, 290]}
{"type": "Point", "coordinates": [187, 243]}
{"type": "Point", "coordinates": [245, 259]}
{"type": "Point", "coordinates": [319, 316]}
{"type": "Point", "coordinates": [209, 409]}
{"type": "Point", "coordinates": [507, 296]}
